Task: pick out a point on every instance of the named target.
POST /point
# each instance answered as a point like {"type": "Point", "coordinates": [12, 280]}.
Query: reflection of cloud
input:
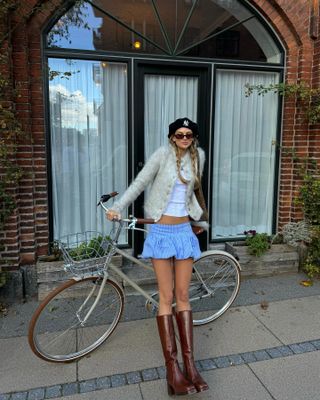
{"type": "Point", "coordinates": [73, 107]}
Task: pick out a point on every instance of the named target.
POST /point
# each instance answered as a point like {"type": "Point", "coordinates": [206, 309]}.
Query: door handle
{"type": "Point", "coordinates": [140, 165]}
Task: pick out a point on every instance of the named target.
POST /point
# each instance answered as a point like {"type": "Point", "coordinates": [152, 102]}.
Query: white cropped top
{"type": "Point", "coordinates": [176, 206]}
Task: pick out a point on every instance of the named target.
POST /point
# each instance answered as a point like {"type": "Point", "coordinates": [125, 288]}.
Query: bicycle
{"type": "Point", "coordinates": [81, 314]}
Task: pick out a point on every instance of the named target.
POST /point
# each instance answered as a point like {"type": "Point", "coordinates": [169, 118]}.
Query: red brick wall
{"type": "Point", "coordinates": [296, 23]}
{"type": "Point", "coordinates": [10, 236]}
{"type": "Point", "coordinates": [314, 136]}
{"type": "Point", "coordinates": [26, 233]}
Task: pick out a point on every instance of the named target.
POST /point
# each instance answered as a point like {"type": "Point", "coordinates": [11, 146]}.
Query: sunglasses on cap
{"type": "Point", "coordinates": [183, 135]}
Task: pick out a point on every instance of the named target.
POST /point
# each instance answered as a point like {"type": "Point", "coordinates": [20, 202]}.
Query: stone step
{"type": "Point", "coordinates": [280, 258]}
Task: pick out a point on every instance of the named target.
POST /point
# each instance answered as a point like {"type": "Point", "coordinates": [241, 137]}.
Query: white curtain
{"type": "Point", "coordinates": [244, 154]}
{"type": "Point", "coordinates": [88, 118]}
{"type": "Point", "coordinates": [166, 98]}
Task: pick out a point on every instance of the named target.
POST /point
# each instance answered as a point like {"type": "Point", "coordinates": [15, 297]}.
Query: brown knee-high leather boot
{"type": "Point", "coordinates": [177, 383]}
{"type": "Point", "coordinates": [185, 326]}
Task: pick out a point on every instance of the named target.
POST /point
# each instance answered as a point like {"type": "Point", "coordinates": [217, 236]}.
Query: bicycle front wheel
{"type": "Point", "coordinates": [214, 286]}
{"type": "Point", "coordinates": [68, 324]}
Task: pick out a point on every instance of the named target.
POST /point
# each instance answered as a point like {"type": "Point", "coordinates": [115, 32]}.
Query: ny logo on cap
{"type": "Point", "coordinates": [185, 122]}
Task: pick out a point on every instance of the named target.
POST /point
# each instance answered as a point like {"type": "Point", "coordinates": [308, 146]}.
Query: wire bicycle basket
{"type": "Point", "coordinates": [86, 253]}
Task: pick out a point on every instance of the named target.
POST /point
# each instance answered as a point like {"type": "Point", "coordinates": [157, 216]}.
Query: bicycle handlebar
{"type": "Point", "coordinates": [144, 221]}
{"type": "Point", "coordinates": [141, 221]}
{"type": "Point", "coordinates": [105, 197]}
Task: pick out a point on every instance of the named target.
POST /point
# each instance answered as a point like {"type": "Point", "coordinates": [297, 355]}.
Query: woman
{"type": "Point", "coordinates": [172, 172]}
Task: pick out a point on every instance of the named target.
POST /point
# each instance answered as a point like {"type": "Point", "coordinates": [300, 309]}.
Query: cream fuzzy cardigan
{"type": "Point", "coordinates": [160, 172]}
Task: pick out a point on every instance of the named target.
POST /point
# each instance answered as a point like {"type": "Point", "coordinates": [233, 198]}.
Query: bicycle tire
{"type": "Point", "coordinates": [221, 273]}
{"type": "Point", "coordinates": [55, 331]}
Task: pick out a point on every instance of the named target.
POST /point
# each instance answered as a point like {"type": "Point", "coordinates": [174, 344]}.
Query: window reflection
{"type": "Point", "coordinates": [173, 15]}
{"type": "Point", "coordinates": [88, 28]}
{"type": "Point", "coordinates": [245, 41]}
{"type": "Point", "coordinates": [208, 29]}
{"type": "Point", "coordinates": [74, 29]}
{"type": "Point", "coordinates": [111, 35]}
{"type": "Point", "coordinates": [235, 43]}
{"type": "Point", "coordinates": [89, 129]}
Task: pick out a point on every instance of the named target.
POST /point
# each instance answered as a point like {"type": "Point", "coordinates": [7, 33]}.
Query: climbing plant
{"type": "Point", "coordinates": [306, 168]}
{"type": "Point", "coordinates": [308, 97]}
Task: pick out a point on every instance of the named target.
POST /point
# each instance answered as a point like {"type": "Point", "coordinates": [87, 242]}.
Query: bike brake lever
{"type": "Point", "coordinates": [105, 197]}
{"type": "Point", "coordinates": [132, 224]}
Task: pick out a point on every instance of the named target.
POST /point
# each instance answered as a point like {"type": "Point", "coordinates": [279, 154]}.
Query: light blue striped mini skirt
{"type": "Point", "coordinates": [166, 241]}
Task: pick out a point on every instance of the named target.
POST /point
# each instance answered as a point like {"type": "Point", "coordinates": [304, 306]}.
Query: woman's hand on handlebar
{"type": "Point", "coordinates": [113, 215]}
{"type": "Point", "coordinates": [197, 229]}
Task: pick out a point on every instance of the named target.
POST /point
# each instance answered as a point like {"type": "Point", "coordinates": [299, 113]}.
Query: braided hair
{"type": "Point", "coordinates": [194, 159]}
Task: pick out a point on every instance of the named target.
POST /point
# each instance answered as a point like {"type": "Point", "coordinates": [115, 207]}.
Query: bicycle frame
{"type": "Point", "coordinates": [116, 250]}
{"type": "Point", "coordinates": [93, 298]}
{"type": "Point", "coordinates": [108, 264]}
{"type": "Point", "coordinates": [116, 269]}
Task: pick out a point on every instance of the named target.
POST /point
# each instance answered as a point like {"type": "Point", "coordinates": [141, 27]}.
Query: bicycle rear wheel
{"type": "Point", "coordinates": [57, 331]}
{"type": "Point", "coordinates": [214, 286]}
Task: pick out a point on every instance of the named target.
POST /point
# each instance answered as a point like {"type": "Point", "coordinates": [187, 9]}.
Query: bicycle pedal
{"type": "Point", "coordinates": [150, 307]}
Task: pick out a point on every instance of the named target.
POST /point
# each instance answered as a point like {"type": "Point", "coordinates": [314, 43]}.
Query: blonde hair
{"type": "Point", "coordinates": [194, 159]}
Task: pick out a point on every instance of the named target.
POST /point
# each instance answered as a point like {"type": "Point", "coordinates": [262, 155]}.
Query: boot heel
{"type": "Point", "coordinates": [185, 326]}
{"type": "Point", "coordinates": [170, 390]}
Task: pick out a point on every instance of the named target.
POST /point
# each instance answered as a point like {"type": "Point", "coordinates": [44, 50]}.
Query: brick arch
{"type": "Point", "coordinates": [279, 20]}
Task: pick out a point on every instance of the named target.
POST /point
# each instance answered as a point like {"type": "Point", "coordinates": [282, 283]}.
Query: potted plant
{"type": "Point", "coordinates": [262, 255]}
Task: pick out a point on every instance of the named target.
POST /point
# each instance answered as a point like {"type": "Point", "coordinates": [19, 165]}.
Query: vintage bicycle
{"type": "Point", "coordinates": [81, 314]}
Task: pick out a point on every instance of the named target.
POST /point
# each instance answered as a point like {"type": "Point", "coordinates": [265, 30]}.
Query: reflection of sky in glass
{"type": "Point", "coordinates": [79, 95]}
{"type": "Point", "coordinates": [81, 38]}
{"type": "Point", "coordinates": [206, 19]}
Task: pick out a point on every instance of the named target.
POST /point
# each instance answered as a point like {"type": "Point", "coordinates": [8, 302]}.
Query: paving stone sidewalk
{"type": "Point", "coordinates": [249, 353]}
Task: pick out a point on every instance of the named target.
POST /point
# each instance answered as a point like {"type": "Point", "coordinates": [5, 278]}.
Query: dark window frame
{"type": "Point", "coordinates": [130, 59]}
{"type": "Point", "coordinates": [172, 52]}
{"type": "Point", "coordinates": [48, 131]}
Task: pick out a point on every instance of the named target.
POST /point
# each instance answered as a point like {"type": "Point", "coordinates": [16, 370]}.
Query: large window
{"type": "Point", "coordinates": [92, 49]}
{"type": "Point", "coordinates": [245, 135]}
{"type": "Point", "coordinates": [88, 125]}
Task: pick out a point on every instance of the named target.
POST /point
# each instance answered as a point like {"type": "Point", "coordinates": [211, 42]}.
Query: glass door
{"type": "Point", "coordinates": [162, 94]}
{"type": "Point", "coordinates": [166, 98]}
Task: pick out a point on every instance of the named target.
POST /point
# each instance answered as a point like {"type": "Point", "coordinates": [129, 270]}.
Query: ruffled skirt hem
{"type": "Point", "coordinates": [166, 241]}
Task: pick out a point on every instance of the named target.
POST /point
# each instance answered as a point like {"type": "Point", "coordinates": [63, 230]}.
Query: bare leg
{"type": "Point", "coordinates": [183, 273]}
{"type": "Point", "coordinates": [164, 272]}
{"type": "Point", "coordinates": [177, 383]}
